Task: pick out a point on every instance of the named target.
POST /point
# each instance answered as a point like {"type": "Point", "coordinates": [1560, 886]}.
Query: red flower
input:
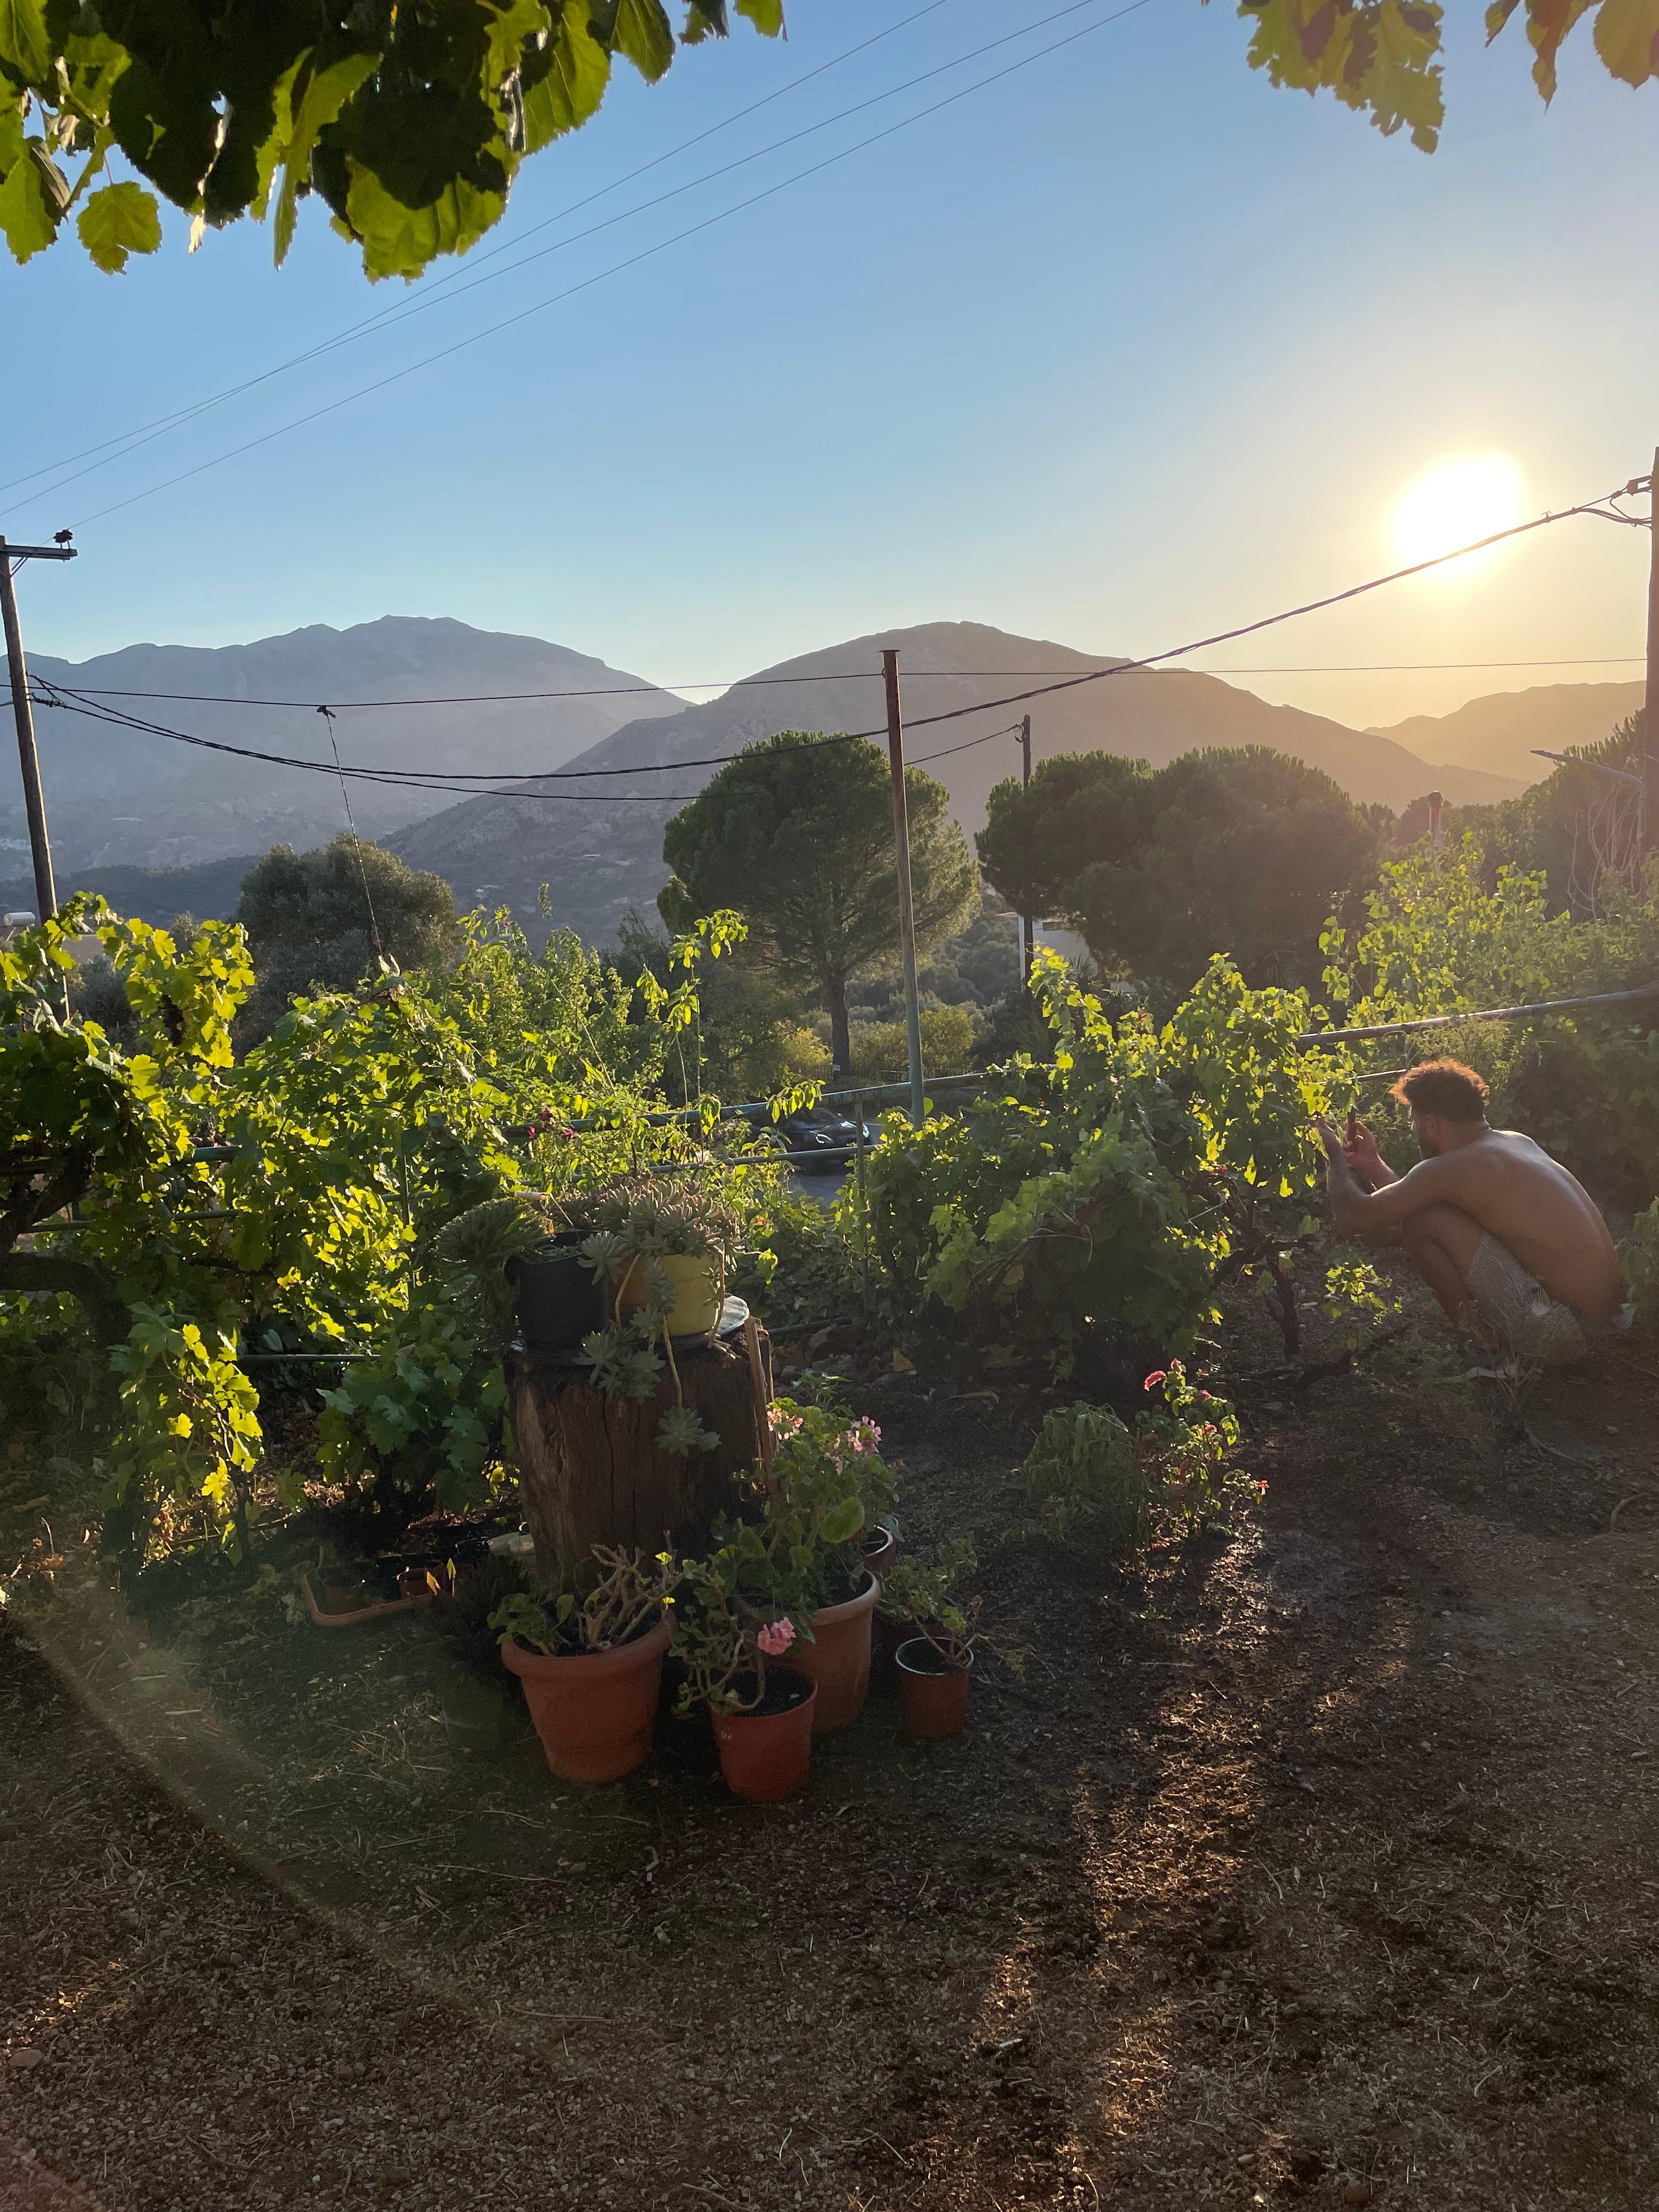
{"type": "Point", "coordinates": [1158, 1375]}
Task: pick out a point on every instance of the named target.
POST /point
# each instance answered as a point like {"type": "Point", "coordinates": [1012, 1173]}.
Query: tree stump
{"type": "Point", "coordinates": [590, 1469]}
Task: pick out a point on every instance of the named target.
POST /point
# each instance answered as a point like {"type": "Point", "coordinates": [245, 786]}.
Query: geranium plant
{"type": "Point", "coordinates": [1087, 1467]}
{"type": "Point", "coordinates": [827, 1482]}
{"type": "Point", "coordinates": [721, 1640]}
{"type": "Point", "coordinates": [920, 1591]}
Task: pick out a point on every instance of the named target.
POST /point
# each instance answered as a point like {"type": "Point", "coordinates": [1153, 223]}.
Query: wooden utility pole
{"type": "Point", "coordinates": [1648, 834]}
{"type": "Point", "coordinates": [906, 909]}
{"type": "Point", "coordinates": [35, 804]}
{"type": "Point", "coordinates": [1027, 920]}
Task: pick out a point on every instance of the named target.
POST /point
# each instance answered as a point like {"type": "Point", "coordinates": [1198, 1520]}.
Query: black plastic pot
{"type": "Point", "coordinates": [559, 1300]}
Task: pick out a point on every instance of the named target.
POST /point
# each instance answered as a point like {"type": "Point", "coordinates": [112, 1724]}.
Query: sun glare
{"type": "Point", "coordinates": [1455, 504]}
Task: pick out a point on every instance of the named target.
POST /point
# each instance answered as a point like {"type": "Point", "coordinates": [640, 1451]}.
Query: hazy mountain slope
{"type": "Point", "coordinates": [209, 890]}
{"type": "Point", "coordinates": [1497, 733]}
{"type": "Point", "coordinates": [147, 801]}
{"type": "Point", "coordinates": [599, 848]}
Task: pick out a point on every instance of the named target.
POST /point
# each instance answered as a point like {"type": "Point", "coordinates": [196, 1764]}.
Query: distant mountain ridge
{"type": "Point", "coordinates": [1499, 734]}
{"type": "Point", "coordinates": [599, 846]}
{"type": "Point", "coordinates": [116, 797]}
{"type": "Point", "coordinates": [130, 809]}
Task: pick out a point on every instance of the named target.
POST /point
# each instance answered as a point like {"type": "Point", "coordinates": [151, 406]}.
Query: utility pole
{"type": "Point", "coordinates": [35, 804]}
{"type": "Point", "coordinates": [1027, 920]}
{"type": "Point", "coordinates": [1648, 826]}
{"type": "Point", "coordinates": [906, 910]}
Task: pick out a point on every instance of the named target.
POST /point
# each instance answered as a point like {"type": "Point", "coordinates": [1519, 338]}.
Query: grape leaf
{"type": "Point", "coordinates": [33, 197]}
{"type": "Point", "coordinates": [1548, 22]}
{"type": "Point", "coordinates": [399, 240]}
{"type": "Point", "coordinates": [121, 220]}
{"type": "Point", "coordinates": [1627, 38]}
{"type": "Point", "coordinates": [25, 48]}
{"type": "Point", "coordinates": [326, 92]}
{"type": "Point", "coordinates": [571, 74]}
{"type": "Point", "coordinates": [641, 31]}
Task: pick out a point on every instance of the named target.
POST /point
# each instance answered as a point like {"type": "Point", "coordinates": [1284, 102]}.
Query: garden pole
{"type": "Point", "coordinates": [1649, 820]}
{"type": "Point", "coordinates": [906, 910]}
{"type": "Point", "coordinates": [1027, 922]}
{"type": "Point", "coordinates": [35, 804]}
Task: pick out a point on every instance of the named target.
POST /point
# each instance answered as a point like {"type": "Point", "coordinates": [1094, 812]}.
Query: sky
{"type": "Point", "coordinates": [1121, 350]}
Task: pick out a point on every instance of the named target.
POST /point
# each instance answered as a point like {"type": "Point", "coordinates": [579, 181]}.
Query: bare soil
{"type": "Point", "coordinates": [1315, 1863]}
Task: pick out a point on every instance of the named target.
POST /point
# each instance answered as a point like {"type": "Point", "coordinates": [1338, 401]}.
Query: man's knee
{"type": "Point", "coordinates": [1445, 1228]}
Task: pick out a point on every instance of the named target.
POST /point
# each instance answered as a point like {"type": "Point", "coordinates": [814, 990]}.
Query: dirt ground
{"type": "Point", "coordinates": [1313, 1864]}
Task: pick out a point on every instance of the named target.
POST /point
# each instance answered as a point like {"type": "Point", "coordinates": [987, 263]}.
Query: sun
{"type": "Point", "coordinates": [1455, 504]}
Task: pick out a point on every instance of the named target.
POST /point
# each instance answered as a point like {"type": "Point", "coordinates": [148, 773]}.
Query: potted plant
{"type": "Point", "coordinates": [937, 1658]}
{"type": "Point", "coordinates": [520, 1256]}
{"type": "Point", "coordinates": [762, 1712]}
{"type": "Point", "coordinates": [592, 1666]}
{"type": "Point", "coordinates": [665, 1267]}
{"type": "Point", "coordinates": [684, 1240]}
{"type": "Point", "coordinates": [879, 1543]}
{"type": "Point", "coordinates": [825, 1485]}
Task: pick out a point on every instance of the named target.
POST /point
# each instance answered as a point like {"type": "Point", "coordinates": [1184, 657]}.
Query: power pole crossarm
{"type": "Point", "coordinates": [35, 804]}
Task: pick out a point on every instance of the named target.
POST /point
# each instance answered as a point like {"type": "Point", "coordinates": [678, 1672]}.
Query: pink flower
{"type": "Point", "coordinates": [775, 1640]}
{"type": "Point", "coordinates": [1158, 1375]}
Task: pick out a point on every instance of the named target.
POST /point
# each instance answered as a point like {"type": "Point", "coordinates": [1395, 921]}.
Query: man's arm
{"type": "Point", "coordinates": [1378, 1217]}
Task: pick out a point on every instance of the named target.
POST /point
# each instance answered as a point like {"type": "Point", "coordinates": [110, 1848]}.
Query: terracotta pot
{"type": "Point", "coordinates": [766, 1757]}
{"type": "Point", "coordinates": [890, 1634]}
{"type": "Point", "coordinates": [593, 1711]}
{"type": "Point", "coordinates": [880, 1550]}
{"type": "Point", "coordinates": [935, 1693]}
{"type": "Point", "coordinates": [696, 1308]}
{"type": "Point", "coordinates": [838, 1659]}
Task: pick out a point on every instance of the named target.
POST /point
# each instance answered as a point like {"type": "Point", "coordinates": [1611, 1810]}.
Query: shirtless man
{"type": "Point", "coordinates": [1510, 1244]}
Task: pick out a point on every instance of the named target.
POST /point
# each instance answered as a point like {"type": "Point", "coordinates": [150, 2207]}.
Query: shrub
{"type": "Point", "coordinates": [1088, 1202]}
{"type": "Point", "coordinates": [1088, 1470]}
{"type": "Point", "coordinates": [881, 1050]}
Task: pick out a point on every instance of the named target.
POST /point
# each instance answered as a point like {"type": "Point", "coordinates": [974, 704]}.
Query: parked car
{"type": "Point", "coordinates": [822, 1129]}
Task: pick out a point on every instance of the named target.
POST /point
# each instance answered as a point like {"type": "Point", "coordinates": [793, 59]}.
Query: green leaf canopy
{"type": "Point", "coordinates": [797, 834]}
{"type": "Point", "coordinates": [1238, 851]}
{"type": "Point", "coordinates": [408, 118]}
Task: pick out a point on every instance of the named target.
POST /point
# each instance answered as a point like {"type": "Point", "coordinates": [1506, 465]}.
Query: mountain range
{"type": "Point", "coordinates": [116, 795]}
{"type": "Point", "coordinates": [162, 825]}
{"type": "Point", "coordinates": [1498, 734]}
{"type": "Point", "coordinates": [598, 844]}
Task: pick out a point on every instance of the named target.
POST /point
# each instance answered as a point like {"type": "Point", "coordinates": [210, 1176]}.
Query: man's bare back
{"type": "Point", "coordinates": [1508, 1240]}
{"type": "Point", "coordinates": [1533, 1205]}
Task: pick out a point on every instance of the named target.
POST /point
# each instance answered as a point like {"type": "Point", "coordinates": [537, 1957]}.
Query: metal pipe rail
{"type": "Point", "coordinates": [1482, 1014]}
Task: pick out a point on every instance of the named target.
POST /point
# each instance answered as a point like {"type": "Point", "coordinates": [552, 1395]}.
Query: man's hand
{"type": "Point", "coordinates": [1359, 1150]}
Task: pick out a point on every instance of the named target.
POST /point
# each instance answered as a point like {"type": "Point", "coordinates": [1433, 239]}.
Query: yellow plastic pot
{"type": "Point", "coordinates": [697, 1301]}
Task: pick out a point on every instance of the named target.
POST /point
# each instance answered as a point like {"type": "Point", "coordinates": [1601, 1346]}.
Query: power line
{"type": "Point", "coordinates": [63, 696]}
{"type": "Point", "coordinates": [645, 253]}
{"type": "Point", "coordinates": [1012, 731]}
{"type": "Point", "coordinates": [1386, 667]}
{"type": "Point", "coordinates": [835, 675]}
{"type": "Point", "coordinates": [1597, 506]}
{"type": "Point", "coordinates": [397, 779]}
{"type": "Point", "coordinates": [130, 440]}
